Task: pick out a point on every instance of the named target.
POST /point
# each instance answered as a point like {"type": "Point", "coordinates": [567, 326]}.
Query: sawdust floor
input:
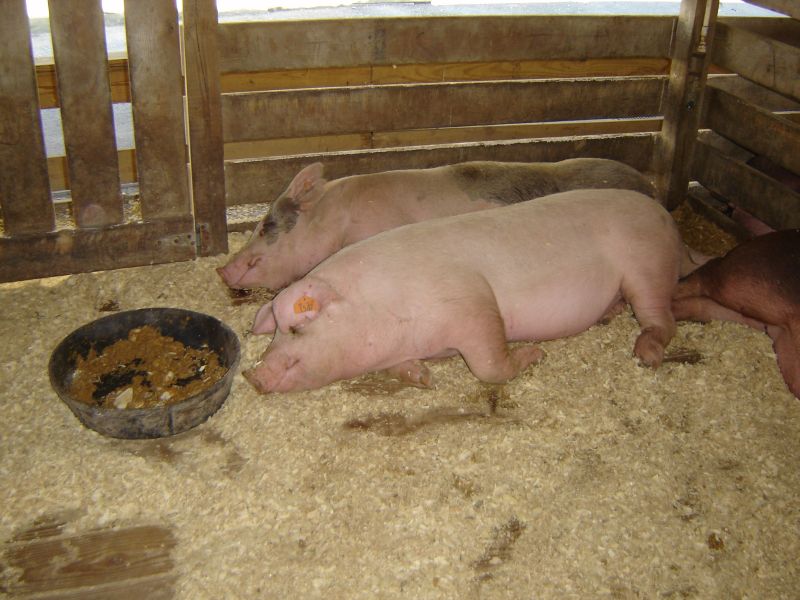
{"type": "Point", "coordinates": [587, 477]}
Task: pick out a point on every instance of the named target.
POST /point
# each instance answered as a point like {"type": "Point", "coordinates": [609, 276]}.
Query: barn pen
{"type": "Point", "coordinates": [586, 477]}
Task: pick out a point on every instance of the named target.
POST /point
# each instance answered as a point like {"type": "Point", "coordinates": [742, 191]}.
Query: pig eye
{"type": "Point", "coordinates": [294, 330]}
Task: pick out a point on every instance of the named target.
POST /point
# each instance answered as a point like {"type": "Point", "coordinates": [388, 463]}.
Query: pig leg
{"type": "Point", "coordinates": [702, 308]}
{"type": "Point", "coordinates": [485, 349]}
{"type": "Point", "coordinates": [413, 372]}
{"type": "Point", "coordinates": [649, 293]}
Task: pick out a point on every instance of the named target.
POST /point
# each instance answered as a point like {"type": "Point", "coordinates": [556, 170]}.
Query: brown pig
{"type": "Point", "coordinates": [314, 217]}
{"type": "Point", "coordinates": [756, 284]}
{"type": "Point", "coordinates": [468, 284]}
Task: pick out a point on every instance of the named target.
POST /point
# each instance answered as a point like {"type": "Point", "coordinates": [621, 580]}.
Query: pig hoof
{"type": "Point", "coordinates": [649, 349]}
{"type": "Point", "coordinates": [413, 372]}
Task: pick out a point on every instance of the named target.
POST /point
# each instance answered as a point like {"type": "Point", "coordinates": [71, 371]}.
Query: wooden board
{"type": "Point", "coordinates": [24, 189]}
{"type": "Point", "coordinates": [437, 72]}
{"type": "Point", "coordinates": [398, 40]}
{"type": "Point", "coordinates": [268, 115]}
{"type": "Point", "coordinates": [110, 563]}
{"type": "Point", "coordinates": [746, 187]}
{"type": "Point", "coordinates": [255, 181]}
{"type": "Point", "coordinates": [113, 247]}
{"type": "Point", "coordinates": [157, 89]}
{"type": "Point", "coordinates": [78, 33]}
{"type": "Point", "coordinates": [441, 135]}
{"type": "Point", "coordinates": [786, 7]}
{"type": "Point", "coordinates": [754, 128]}
{"type": "Point", "coordinates": [766, 61]}
{"type": "Point", "coordinates": [684, 99]}
{"type": "Point", "coordinates": [205, 125]}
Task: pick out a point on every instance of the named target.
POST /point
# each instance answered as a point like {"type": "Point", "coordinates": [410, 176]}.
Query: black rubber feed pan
{"type": "Point", "coordinates": [192, 329]}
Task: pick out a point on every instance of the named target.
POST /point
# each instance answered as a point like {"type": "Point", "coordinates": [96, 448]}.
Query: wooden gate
{"type": "Point", "coordinates": [100, 230]}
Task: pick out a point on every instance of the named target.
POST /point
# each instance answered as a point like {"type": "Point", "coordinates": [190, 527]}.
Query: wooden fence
{"type": "Point", "coordinates": [362, 95]}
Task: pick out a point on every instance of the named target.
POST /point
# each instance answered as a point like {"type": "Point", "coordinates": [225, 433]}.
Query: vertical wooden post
{"type": "Point", "coordinates": [79, 46]}
{"type": "Point", "coordinates": [205, 125]}
{"type": "Point", "coordinates": [154, 64]}
{"type": "Point", "coordinates": [24, 186]}
{"type": "Point", "coordinates": [683, 100]}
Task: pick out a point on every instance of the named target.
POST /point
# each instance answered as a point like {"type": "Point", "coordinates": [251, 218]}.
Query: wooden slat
{"type": "Point", "coordinates": [684, 98]}
{"type": "Point", "coordinates": [205, 125]}
{"type": "Point", "coordinates": [79, 46]}
{"type": "Point", "coordinates": [768, 62]}
{"type": "Point", "coordinates": [754, 93]}
{"type": "Point", "coordinates": [254, 181]}
{"type": "Point", "coordinates": [24, 189]}
{"type": "Point", "coordinates": [63, 252]}
{"type": "Point", "coordinates": [267, 115]}
{"type": "Point", "coordinates": [786, 7]}
{"type": "Point", "coordinates": [438, 72]}
{"type": "Point", "coordinates": [157, 90]}
{"type": "Point", "coordinates": [754, 128]}
{"type": "Point", "coordinates": [747, 188]}
{"type": "Point", "coordinates": [415, 40]}
{"type": "Point", "coordinates": [95, 564]}
{"type": "Point", "coordinates": [442, 135]}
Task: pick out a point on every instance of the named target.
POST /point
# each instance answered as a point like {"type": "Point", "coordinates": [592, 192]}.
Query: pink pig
{"type": "Point", "coordinates": [756, 284]}
{"type": "Point", "coordinates": [470, 283]}
{"type": "Point", "coordinates": [314, 217]}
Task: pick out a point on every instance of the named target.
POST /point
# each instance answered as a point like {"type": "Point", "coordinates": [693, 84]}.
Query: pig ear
{"type": "Point", "coordinates": [306, 187]}
{"type": "Point", "coordinates": [265, 320]}
{"type": "Point", "coordinates": [301, 305]}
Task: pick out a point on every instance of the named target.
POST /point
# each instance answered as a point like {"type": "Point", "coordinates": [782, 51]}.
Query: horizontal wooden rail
{"type": "Point", "coordinates": [746, 187]}
{"type": "Point", "coordinates": [262, 180]}
{"type": "Point", "coordinates": [326, 43]}
{"type": "Point", "coordinates": [752, 127]}
{"type": "Point", "coordinates": [269, 115]}
{"type": "Point", "coordinates": [81, 250]}
{"type": "Point", "coordinates": [764, 60]}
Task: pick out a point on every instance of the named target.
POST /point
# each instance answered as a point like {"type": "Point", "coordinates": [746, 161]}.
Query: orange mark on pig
{"type": "Point", "coordinates": [305, 304]}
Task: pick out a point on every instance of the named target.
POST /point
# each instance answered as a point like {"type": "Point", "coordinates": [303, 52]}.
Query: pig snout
{"type": "Point", "coordinates": [239, 271]}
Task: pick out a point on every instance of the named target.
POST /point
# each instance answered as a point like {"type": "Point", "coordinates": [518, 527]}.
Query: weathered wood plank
{"type": "Point", "coordinates": [395, 41]}
{"type": "Point", "coordinates": [254, 181]}
{"type": "Point", "coordinates": [746, 187]}
{"type": "Point", "coordinates": [205, 125]}
{"type": "Point", "coordinates": [754, 128]}
{"type": "Point", "coordinates": [24, 189]}
{"type": "Point", "coordinates": [79, 46]}
{"type": "Point", "coordinates": [157, 89]}
{"type": "Point", "coordinates": [786, 7]}
{"type": "Point", "coordinates": [768, 62]}
{"type": "Point", "coordinates": [442, 135]}
{"type": "Point", "coordinates": [439, 72]}
{"type": "Point", "coordinates": [113, 247]}
{"type": "Point", "coordinates": [684, 98]}
{"type": "Point", "coordinates": [754, 93]}
{"type": "Point", "coordinates": [268, 115]}
{"type": "Point", "coordinates": [75, 565]}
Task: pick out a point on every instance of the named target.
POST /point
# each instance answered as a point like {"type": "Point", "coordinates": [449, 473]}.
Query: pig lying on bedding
{"type": "Point", "coordinates": [314, 218]}
{"type": "Point", "coordinates": [756, 284]}
{"type": "Point", "coordinates": [468, 284]}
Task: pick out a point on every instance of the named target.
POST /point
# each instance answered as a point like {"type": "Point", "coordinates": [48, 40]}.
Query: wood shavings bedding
{"type": "Point", "coordinates": [586, 477]}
